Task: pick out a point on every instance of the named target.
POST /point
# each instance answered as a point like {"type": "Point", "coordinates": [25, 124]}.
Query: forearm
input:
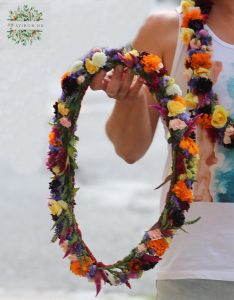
{"type": "Point", "coordinates": [129, 128]}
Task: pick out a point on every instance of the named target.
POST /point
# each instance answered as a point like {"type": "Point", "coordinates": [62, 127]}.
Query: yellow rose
{"type": "Point", "coordinates": [91, 68]}
{"type": "Point", "coordinates": [191, 100]}
{"type": "Point", "coordinates": [219, 117]}
{"type": "Point", "coordinates": [202, 72]}
{"type": "Point", "coordinates": [175, 108]}
{"type": "Point", "coordinates": [186, 35]}
{"type": "Point", "coordinates": [56, 207]}
{"type": "Point", "coordinates": [186, 5]}
{"type": "Point", "coordinates": [133, 52]}
{"type": "Point", "coordinates": [62, 109]}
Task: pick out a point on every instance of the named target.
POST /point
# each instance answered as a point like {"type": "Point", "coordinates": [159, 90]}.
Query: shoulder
{"type": "Point", "coordinates": [158, 34]}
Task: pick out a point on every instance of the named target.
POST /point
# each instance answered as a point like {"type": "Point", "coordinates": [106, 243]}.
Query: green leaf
{"type": "Point", "coordinates": [192, 222]}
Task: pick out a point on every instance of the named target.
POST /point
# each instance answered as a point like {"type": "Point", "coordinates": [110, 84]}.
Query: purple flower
{"type": "Point", "coordinates": [92, 271]}
{"type": "Point", "coordinates": [69, 84]}
{"type": "Point", "coordinates": [175, 200]}
{"type": "Point", "coordinates": [139, 67]}
{"type": "Point", "coordinates": [53, 148]}
{"type": "Point", "coordinates": [203, 86]}
{"type": "Point", "coordinates": [164, 81]}
{"type": "Point", "coordinates": [164, 101]}
{"type": "Point", "coordinates": [204, 100]}
{"type": "Point", "coordinates": [192, 51]}
{"type": "Point", "coordinates": [178, 218]}
{"type": "Point", "coordinates": [79, 250]}
{"type": "Point", "coordinates": [184, 117]}
{"type": "Point", "coordinates": [189, 183]}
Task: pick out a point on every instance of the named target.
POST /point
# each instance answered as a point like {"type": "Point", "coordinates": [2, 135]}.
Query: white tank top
{"type": "Point", "coordinates": [207, 251]}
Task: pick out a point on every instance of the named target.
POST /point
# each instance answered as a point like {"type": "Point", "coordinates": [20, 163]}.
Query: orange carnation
{"type": "Point", "coordinates": [81, 267]}
{"type": "Point", "coordinates": [201, 60]}
{"type": "Point", "coordinates": [160, 246]}
{"type": "Point", "coordinates": [193, 14]}
{"type": "Point", "coordinates": [151, 63]}
{"type": "Point", "coordinates": [182, 191]}
{"type": "Point", "coordinates": [188, 144]}
{"type": "Point", "coordinates": [205, 121]}
{"type": "Point", "coordinates": [52, 139]}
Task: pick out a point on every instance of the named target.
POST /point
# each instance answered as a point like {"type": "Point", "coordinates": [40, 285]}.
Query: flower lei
{"type": "Point", "coordinates": [62, 163]}
{"type": "Point", "coordinates": [203, 101]}
{"type": "Point", "coordinates": [181, 116]}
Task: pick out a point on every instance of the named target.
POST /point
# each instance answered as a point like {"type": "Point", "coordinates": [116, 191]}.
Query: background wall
{"type": "Point", "coordinates": [117, 201]}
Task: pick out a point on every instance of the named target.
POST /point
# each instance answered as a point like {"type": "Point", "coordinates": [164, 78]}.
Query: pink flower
{"type": "Point", "coordinates": [177, 124]}
{"type": "Point", "coordinates": [65, 122]}
{"type": "Point", "coordinates": [229, 131]}
{"type": "Point", "coordinates": [227, 140]}
{"type": "Point", "coordinates": [80, 79]}
{"type": "Point", "coordinates": [155, 234]}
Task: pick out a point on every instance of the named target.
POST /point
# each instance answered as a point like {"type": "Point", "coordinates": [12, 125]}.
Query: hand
{"type": "Point", "coordinates": [120, 84]}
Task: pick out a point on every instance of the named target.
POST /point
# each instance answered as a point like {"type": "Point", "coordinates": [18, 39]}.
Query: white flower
{"type": "Point", "coordinates": [78, 65]}
{"type": "Point", "coordinates": [173, 89]}
{"type": "Point", "coordinates": [99, 59]}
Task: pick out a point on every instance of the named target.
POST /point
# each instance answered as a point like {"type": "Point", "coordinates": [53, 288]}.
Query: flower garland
{"type": "Point", "coordinates": [181, 115]}
{"type": "Point", "coordinates": [213, 116]}
{"type": "Point", "coordinates": [62, 163]}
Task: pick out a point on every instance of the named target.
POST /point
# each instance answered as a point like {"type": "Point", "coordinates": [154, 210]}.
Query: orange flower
{"type": "Point", "coordinates": [194, 14]}
{"type": "Point", "coordinates": [151, 63]}
{"type": "Point", "coordinates": [81, 269]}
{"type": "Point", "coordinates": [182, 191]}
{"type": "Point", "coordinates": [160, 246]}
{"type": "Point", "coordinates": [52, 139]}
{"type": "Point", "coordinates": [188, 144]}
{"type": "Point", "coordinates": [201, 60]}
{"type": "Point", "coordinates": [66, 74]}
{"type": "Point", "coordinates": [205, 121]}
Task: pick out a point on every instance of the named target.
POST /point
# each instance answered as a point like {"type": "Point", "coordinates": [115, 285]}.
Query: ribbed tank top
{"type": "Point", "coordinates": [207, 250]}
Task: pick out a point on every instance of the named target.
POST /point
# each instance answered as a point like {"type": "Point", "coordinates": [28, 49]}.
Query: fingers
{"type": "Point", "coordinates": [98, 81]}
{"type": "Point", "coordinates": [113, 85]}
{"type": "Point", "coordinates": [136, 86]}
{"type": "Point", "coordinates": [126, 83]}
{"type": "Point", "coordinates": [119, 83]}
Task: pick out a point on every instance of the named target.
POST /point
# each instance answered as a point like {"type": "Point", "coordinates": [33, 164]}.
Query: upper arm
{"type": "Point", "coordinates": [158, 35]}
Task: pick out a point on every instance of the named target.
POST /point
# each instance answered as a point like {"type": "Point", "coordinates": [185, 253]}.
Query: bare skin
{"type": "Point", "coordinates": [131, 125]}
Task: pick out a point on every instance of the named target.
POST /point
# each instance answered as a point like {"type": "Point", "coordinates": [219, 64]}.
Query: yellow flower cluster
{"type": "Point", "coordinates": [186, 5]}
{"type": "Point", "coordinates": [56, 207]}
{"type": "Point", "coordinates": [62, 109]}
{"type": "Point", "coordinates": [186, 35]}
{"type": "Point", "coordinates": [98, 61]}
{"type": "Point", "coordinates": [219, 117]}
